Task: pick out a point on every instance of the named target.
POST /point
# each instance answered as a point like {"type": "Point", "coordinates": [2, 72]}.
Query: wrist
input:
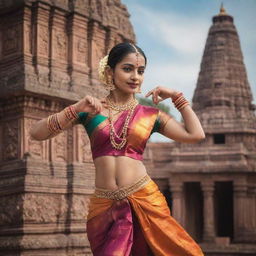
{"type": "Point", "coordinates": [175, 95]}
{"type": "Point", "coordinates": [76, 108]}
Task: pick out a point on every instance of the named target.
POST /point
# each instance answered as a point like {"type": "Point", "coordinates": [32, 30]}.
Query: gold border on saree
{"type": "Point", "coordinates": [122, 192]}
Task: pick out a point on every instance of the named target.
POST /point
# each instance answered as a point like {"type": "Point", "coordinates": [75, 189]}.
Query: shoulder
{"type": "Point", "coordinates": [148, 109]}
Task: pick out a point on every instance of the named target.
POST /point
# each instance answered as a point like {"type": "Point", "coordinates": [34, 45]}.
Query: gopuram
{"type": "Point", "coordinates": [212, 185]}
{"type": "Point", "coordinates": [49, 54]}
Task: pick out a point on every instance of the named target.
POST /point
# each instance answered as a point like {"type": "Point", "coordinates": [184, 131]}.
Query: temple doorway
{"type": "Point", "coordinates": [223, 201]}
{"type": "Point", "coordinates": [194, 210]}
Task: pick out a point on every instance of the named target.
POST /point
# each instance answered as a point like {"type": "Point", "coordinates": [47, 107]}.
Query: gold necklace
{"type": "Point", "coordinates": [123, 134]}
{"type": "Point", "coordinates": [122, 107]}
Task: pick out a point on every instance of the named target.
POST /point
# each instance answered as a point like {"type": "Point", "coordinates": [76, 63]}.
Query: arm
{"type": "Point", "coordinates": [42, 131]}
{"type": "Point", "coordinates": [191, 131]}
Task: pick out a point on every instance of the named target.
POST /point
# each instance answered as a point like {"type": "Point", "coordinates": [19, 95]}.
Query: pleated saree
{"type": "Point", "coordinates": [137, 224]}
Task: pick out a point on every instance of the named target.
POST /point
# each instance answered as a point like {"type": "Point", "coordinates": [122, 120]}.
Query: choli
{"type": "Point", "coordinates": [145, 121]}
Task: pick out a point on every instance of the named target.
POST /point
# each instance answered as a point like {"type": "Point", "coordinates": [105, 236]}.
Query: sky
{"type": "Point", "coordinates": [173, 33]}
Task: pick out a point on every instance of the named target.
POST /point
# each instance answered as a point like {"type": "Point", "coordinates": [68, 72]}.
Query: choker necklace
{"type": "Point", "coordinates": [123, 134]}
{"type": "Point", "coordinates": [121, 107]}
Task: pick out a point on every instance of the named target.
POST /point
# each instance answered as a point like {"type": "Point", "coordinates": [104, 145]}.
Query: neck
{"type": "Point", "coordinates": [120, 98]}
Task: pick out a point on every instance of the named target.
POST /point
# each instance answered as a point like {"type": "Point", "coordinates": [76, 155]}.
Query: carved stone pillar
{"type": "Point", "coordinates": [44, 59]}
{"type": "Point", "coordinates": [240, 200]}
{"type": "Point", "coordinates": [177, 201]}
{"type": "Point", "coordinates": [250, 218]}
{"type": "Point", "coordinates": [209, 225]}
{"type": "Point", "coordinates": [78, 52]}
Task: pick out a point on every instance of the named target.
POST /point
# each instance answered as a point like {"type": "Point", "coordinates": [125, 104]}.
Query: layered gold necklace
{"type": "Point", "coordinates": [123, 134]}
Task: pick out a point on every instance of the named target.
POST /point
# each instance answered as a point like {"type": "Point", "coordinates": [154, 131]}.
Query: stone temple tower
{"type": "Point", "coordinates": [212, 184]}
{"type": "Point", "coordinates": [49, 54]}
{"type": "Point", "coordinates": [223, 102]}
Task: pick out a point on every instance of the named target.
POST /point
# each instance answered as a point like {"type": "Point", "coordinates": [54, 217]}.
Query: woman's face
{"type": "Point", "coordinates": [128, 74]}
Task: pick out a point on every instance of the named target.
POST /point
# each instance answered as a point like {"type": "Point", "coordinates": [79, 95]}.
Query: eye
{"type": "Point", "coordinates": [141, 72]}
{"type": "Point", "coordinates": [127, 69]}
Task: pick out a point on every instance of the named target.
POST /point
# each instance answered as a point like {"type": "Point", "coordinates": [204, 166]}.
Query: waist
{"type": "Point", "coordinates": [124, 191]}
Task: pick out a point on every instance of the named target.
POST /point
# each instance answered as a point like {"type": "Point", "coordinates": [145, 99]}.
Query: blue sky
{"type": "Point", "coordinates": [173, 33]}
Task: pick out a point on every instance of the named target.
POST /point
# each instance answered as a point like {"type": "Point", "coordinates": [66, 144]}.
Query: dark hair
{"type": "Point", "coordinates": [119, 51]}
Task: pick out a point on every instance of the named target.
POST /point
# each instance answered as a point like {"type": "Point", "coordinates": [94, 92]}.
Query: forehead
{"type": "Point", "coordinates": [132, 58]}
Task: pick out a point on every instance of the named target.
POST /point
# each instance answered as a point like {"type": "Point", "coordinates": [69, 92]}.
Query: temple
{"type": "Point", "coordinates": [212, 184]}
{"type": "Point", "coordinates": [49, 52]}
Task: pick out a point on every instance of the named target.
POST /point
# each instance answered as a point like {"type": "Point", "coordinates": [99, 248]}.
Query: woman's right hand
{"type": "Point", "coordinates": [90, 104]}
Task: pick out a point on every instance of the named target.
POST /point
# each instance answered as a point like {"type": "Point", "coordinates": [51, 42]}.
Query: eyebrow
{"type": "Point", "coordinates": [128, 64]}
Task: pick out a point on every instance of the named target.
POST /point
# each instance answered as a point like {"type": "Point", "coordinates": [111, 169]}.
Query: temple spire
{"type": "Point", "coordinates": [223, 96]}
{"type": "Point", "coordinates": [222, 10]}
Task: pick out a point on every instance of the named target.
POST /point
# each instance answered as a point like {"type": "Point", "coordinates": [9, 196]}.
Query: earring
{"type": "Point", "coordinates": [110, 84]}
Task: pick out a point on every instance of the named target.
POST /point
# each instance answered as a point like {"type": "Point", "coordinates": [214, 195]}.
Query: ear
{"type": "Point", "coordinates": [109, 71]}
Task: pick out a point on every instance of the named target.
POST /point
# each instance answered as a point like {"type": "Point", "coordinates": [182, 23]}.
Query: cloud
{"type": "Point", "coordinates": [176, 31]}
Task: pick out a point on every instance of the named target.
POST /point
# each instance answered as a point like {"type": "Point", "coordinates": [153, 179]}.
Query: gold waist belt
{"type": "Point", "coordinates": [122, 192]}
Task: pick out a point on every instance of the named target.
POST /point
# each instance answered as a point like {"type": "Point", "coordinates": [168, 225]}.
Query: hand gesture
{"type": "Point", "coordinates": [161, 93]}
{"type": "Point", "coordinates": [90, 104]}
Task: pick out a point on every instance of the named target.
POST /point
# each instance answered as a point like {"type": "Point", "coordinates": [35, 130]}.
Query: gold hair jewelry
{"type": "Point", "coordinates": [137, 54]}
{"type": "Point", "coordinates": [108, 82]}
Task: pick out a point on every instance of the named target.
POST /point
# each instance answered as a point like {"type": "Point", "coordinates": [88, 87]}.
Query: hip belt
{"type": "Point", "coordinates": [122, 192]}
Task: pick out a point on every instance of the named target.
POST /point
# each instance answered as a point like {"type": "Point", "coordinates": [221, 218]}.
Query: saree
{"type": "Point", "coordinates": [136, 221]}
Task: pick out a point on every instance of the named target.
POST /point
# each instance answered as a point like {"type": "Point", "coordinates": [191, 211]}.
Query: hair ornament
{"type": "Point", "coordinates": [102, 67]}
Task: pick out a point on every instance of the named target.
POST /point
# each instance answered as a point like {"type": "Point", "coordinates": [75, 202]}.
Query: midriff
{"type": "Point", "coordinates": [113, 172]}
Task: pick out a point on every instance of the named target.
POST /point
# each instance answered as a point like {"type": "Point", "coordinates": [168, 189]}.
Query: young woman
{"type": "Point", "coordinates": [128, 215]}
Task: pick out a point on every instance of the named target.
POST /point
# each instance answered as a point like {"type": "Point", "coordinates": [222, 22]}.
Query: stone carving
{"type": "Point", "coordinates": [79, 209]}
{"type": "Point", "coordinates": [81, 4]}
{"type": "Point", "coordinates": [27, 35]}
{"type": "Point", "coordinates": [60, 147]}
{"type": "Point", "coordinates": [60, 45]}
{"type": "Point", "coordinates": [10, 210]}
{"type": "Point", "coordinates": [97, 54]}
{"type": "Point", "coordinates": [10, 141]}
{"type": "Point", "coordinates": [43, 38]}
{"type": "Point", "coordinates": [81, 50]}
{"type": "Point", "coordinates": [44, 209]}
{"type": "Point", "coordinates": [83, 145]}
{"type": "Point", "coordinates": [35, 148]}
{"type": "Point", "coordinates": [10, 40]}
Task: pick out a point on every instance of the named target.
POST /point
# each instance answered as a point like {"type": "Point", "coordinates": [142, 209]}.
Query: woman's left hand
{"type": "Point", "coordinates": [161, 93]}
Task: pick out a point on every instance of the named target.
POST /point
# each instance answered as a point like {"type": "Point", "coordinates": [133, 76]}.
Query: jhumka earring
{"type": "Point", "coordinates": [110, 84]}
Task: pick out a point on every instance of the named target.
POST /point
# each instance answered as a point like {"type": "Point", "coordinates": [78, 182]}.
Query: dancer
{"type": "Point", "coordinates": [128, 215]}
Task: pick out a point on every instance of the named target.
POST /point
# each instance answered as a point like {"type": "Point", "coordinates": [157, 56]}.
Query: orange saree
{"type": "Point", "coordinates": [137, 224]}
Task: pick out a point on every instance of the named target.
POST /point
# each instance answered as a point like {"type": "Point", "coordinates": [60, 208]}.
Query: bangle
{"type": "Point", "coordinates": [179, 101]}
{"type": "Point", "coordinates": [53, 124]}
{"type": "Point", "coordinates": [70, 113]}
{"type": "Point", "coordinates": [177, 96]}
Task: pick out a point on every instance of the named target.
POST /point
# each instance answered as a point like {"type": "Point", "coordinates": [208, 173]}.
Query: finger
{"type": "Point", "coordinates": [149, 93]}
{"type": "Point", "coordinates": [95, 106]}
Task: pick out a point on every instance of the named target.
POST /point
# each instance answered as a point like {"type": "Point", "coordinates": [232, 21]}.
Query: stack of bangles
{"type": "Point", "coordinates": [53, 123]}
{"type": "Point", "coordinates": [179, 101]}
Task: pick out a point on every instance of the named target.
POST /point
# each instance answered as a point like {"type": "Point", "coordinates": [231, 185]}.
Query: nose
{"type": "Point", "coordinates": [134, 75]}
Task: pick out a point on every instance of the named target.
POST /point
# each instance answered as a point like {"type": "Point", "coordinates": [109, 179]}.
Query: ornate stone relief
{"type": "Point", "coordinates": [10, 140]}
{"type": "Point", "coordinates": [11, 38]}
{"type": "Point", "coordinates": [60, 147]}
{"type": "Point", "coordinates": [34, 147]}
{"type": "Point", "coordinates": [43, 40]}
